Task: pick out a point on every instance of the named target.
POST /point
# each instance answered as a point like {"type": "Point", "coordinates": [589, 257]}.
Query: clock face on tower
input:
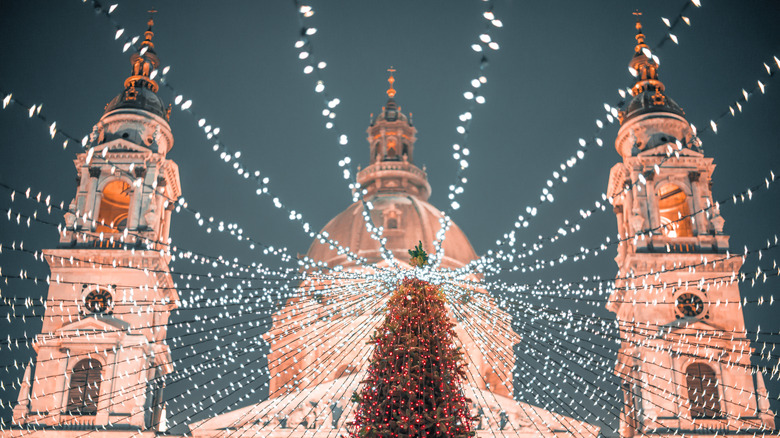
{"type": "Point", "coordinates": [98, 301]}
{"type": "Point", "coordinates": [689, 304]}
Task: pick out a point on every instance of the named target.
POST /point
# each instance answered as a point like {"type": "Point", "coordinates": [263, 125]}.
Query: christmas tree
{"type": "Point", "coordinates": [413, 386]}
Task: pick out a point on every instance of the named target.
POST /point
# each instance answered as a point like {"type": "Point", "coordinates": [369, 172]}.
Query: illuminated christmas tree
{"type": "Point", "coordinates": [413, 387]}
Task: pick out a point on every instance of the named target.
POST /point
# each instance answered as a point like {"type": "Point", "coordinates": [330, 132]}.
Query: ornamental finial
{"type": "Point", "coordinates": [149, 34]}
{"type": "Point", "coordinates": [391, 80]}
{"type": "Point", "coordinates": [640, 37]}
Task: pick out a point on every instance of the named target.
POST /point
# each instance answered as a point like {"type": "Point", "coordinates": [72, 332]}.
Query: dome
{"type": "Point", "coordinates": [138, 98]}
{"type": "Point", "coordinates": [648, 90]}
{"type": "Point", "coordinates": [406, 219]}
{"type": "Point", "coordinates": [140, 88]}
{"type": "Point", "coordinates": [652, 101]}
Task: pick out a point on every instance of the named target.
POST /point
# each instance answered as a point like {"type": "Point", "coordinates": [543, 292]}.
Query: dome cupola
{"type": "Point", "coordinates": [140, 87]}
{"type": "Point", "coordinates": [648, 90]}
{"type": "Point", "coordinates": [651, 118]}
{"type": "Point", "coordinates": [391, 138]}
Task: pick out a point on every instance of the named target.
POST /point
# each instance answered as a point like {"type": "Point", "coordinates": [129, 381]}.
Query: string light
{"type": "Point", "coordinates": [548, 330]}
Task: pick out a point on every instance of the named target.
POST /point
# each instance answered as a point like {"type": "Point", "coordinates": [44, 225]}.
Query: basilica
{"type": "Point", "coordinates": [102, 356]}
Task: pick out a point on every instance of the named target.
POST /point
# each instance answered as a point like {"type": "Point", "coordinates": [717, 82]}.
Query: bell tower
{"type": "Point", "coordinates": [101, 356]}
{"type": "Point", "coordinates": [684, 360]}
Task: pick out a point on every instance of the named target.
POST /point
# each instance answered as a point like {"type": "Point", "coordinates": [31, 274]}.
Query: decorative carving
{"type": "Point", "coordinates": [658, 98]}
{"type": "Point", "coordinates": [131, 93]}
{"type": "Point", "coordinates": [637, 223]}
{"type": "Point", "coordinates": [151, 217]}
{"type": "Point", "coordinates": [717, 223]}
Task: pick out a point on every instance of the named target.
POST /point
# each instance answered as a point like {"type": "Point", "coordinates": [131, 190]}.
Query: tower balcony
{"type": "Point", "coordinates": [714, 244]}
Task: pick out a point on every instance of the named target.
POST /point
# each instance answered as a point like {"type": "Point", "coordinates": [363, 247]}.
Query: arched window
{"type": "Point", "coordinates": [84, 387]}
{"type": "Point", "coordinates": [392, 144]}
{"type": "Point", "coordinates": [703, 394]}
{"type": "Point", "coordinates": [114, 207]}
{"type": "Point", "coordinates": [391, 220]}
{"type": "Point", "coordinates": [674, 211]}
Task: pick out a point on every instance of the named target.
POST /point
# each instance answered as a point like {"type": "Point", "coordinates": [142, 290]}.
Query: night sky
{"type": "Point", "coordinates": [558, 63]}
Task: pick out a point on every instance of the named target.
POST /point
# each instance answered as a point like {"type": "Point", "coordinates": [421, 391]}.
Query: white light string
{"type": "Point", "coordinates": [483, 44]}
{"type": "Point", "coordinates": [557, 176]}
{"type": "Point", "coordinates": [314, 67]}
{"type": "Point", "coordinates": [34, 111]}
{"type": "Point", "coordinates": [583, 253]}
{"type": "Point", "coordinates": [570, 226]}
{"type": "Point", "coordinates": [546, 332]}
{"type": "Point", "coordinates": [226, 155]}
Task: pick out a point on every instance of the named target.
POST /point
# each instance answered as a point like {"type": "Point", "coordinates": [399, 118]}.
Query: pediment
{"type": "Point", "coordinates": [685, 326]}
{"type": "Point", "coordinates": [92, 324]}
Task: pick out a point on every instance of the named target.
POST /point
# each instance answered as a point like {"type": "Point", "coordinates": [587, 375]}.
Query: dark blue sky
{"type": "Point", "coordinates": [559, 62]}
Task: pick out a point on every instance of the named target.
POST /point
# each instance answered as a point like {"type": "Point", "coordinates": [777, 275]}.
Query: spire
{"type": "Point", "coordinates": [643, 65]}
{"type": "Point", "coordinates": [140, 87]}
{"type": "Point", "coordinates": [144, 62]}
{"type": "Point", "coordinates": [648, 90]}
{"type": "Point", "coordinates": [147, 42]}
{"type": "Point", "coordinates": [391, 112]}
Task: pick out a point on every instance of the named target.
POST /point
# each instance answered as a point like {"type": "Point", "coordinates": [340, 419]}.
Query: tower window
{"type": "Point", "coordinates": [392, 145]}
{"type": "Point", "coordinates": [703, 394]}
{"type": "Point", "coordinates": [114, 207]}
{"type": "Point", "coordinates": [391, 220]}
{"type": "Point", "coordinates": [674, 211]}
{"type": "Point", "coordinates": [84, 387]}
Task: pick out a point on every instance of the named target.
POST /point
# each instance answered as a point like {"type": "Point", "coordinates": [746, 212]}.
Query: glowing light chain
{"type": "Point", "coordinates": [509, 238]}
{"type": "Point", "coordinates": [181, 204]}
{"type": "Point", "coordinates": [546, 195]}
{"type": "Point", "coordinates": [490, 338]}
{"type": "Point", "coordinates": [39, 198]}
{"type": "Point", "coordinates": [461, 151]}
{"type": "Point", "coordinates": [39, 110]}
{"type": "Point", "coordinates": [305, 46]}
{"type": "Point", "coordinates": [607, 362]}
{"type": "Point", "coordinates": [226, 155]}
{"type": "Point", "coordinates": [580, 255]}
{"type": "Point", "coordinates": [486, 343]}
{"type": "Point", "coordinates": [611, 115]}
